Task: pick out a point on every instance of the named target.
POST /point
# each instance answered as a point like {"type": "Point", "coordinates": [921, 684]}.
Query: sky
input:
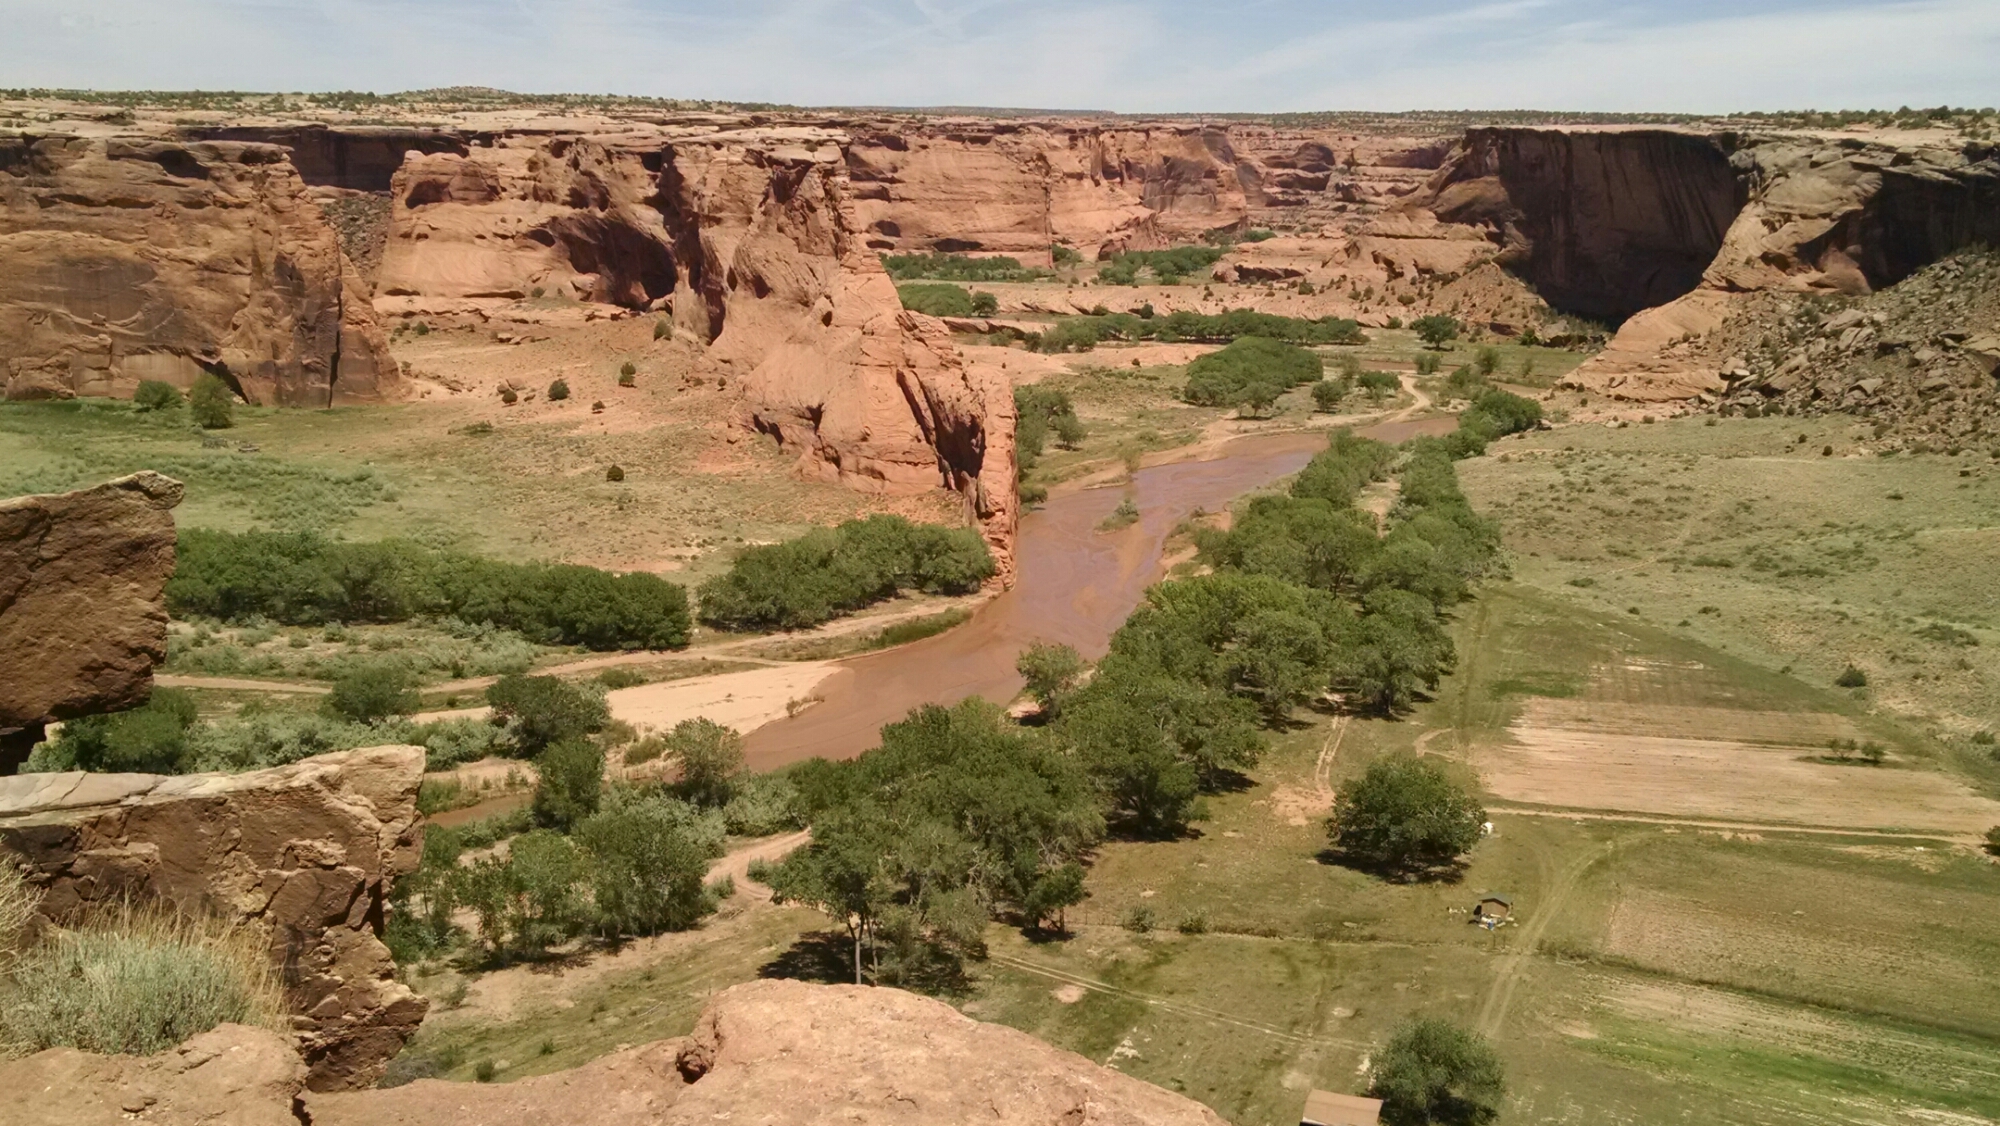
{"type": "Point", "coordinates": [1694, 56]}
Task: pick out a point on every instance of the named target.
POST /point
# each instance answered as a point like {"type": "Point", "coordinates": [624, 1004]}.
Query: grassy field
{"type": "Point", "coordinates": [466, 474]}
{"type": "Point", "coordinates": [1748, 536]}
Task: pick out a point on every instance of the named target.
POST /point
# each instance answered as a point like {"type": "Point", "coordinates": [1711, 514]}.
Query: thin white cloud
{"type": "Point", "coordinates": [1131, 55]}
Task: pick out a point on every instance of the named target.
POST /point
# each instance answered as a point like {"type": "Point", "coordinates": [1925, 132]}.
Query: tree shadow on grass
{"type": "Point", "coordinates": [826, 957]}
{"type": "Point", "coordinates": [1450, 871]}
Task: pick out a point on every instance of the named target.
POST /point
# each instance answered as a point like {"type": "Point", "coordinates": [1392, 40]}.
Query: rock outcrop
{"type": "Point", "coordinates": [749, 238]}
{"type": "Point", "coordinates": [307, 852]}
{"type": "Point", "coordinates": [788, 1052]}
{"type": "Point", "coordinates": [132, 258]}
{"type": "Point", "coordinates": [1665, 229]}
{"type": "Point", "coordinates": [82, 615]}
{"type": "Point", "coordinates": [229, 1076]}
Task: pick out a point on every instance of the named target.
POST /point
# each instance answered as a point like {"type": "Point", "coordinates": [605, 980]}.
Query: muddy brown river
{"type": "Point", "coordinates": [1073, 585]}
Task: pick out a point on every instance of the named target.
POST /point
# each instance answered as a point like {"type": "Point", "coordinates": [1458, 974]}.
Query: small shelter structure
{"type": "Point", "coordinates": [1492, 910]}
{"type": "Point", "coordinates": [1324, 1108]}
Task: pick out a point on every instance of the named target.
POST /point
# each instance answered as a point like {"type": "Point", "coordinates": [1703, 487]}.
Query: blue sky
{"type": "Point", "coordinates": [1257, 55]}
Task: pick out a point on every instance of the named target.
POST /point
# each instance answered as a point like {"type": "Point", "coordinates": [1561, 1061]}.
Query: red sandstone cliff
{"type": "Point", "coordinates": [124, 259]}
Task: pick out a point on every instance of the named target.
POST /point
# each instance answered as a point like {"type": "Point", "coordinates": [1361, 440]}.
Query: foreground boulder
{"type": "Point", "coordinates": [307, 852]}
{"type": "Point", "coordinates": [788, 1052]}
{"type": "Point", "coordinates": [230, 1076]}
{"type": "Point", "coordinates": [82, 618]}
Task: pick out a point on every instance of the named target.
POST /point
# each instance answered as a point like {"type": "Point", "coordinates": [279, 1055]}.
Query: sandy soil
{"type": "Point", "coordinates": [1731, 779]}
{"type": "Point", "coordinates": [742, 700]}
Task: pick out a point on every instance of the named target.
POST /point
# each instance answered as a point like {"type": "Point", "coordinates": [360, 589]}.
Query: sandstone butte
{"type": "Point", "coordinates": [82, 618]}
{"type": "Point", "coordinates": [304, 853]}
{"type": "Point", "coordinates": [775, 1052]}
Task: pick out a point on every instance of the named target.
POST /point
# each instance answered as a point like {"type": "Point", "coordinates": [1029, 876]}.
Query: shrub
{"type": "Point", "coordinates": [305, 579]}
{"type": "Point", "coordinates": [984, 304]}
{"type": "Point", "coordinates": [154, 738]}
{"type": "Point", "coordinates": [709, 756]}
{"type": "Point", "coordinates": [1139, 920]}
{"type": "Point", "coordinates": [1065, 256]}
{"type": "Point", "coordinates": [509, 396]}
{"type": "Point", "coordinates": [137, 982]}
{"type": "Point", "coordinates": [1038, 411]}
{"type": "Point", "coordinates": [615, 473]}
{"type": "Point", "coordinates": [373, 691]}
{"type": "Point", "coordinates": [627, 370]}
{"type": "Point", "coordinates": [541, 711]}
{"type": "Point", "coordinates": [937, 299]}
{"type": "Point", "coordinates": [1405, 816]}
{"type": "Point", "coordinates": [663, 330]}
{"type": "Point", "coordinates": [1168, 266]}
{"type": "Point", "coordinates": [964, 268]}
{"type": "Point", "coordinates": [1851, 677]}
{"type": "Point", "coordinates": [627, 380]}
{"type": "Point", "coordinates": [1194, 922]}
{"type": "Point", "coordinates": [19, 901]}
{"type": "Point", "coordinates": [832, 571]}
{"type": "Point", "coordinates": [558, 391]}
{"type": "Point", "coordinates": [1221, 378]}
{"type": "Point", "coordinates": [153, 395]}
{"type": "Point", "coordinates": [1433, 1071]}
{"type": "Point", "coordinates": [571, 783]}
{"type": "Point", "coordinates": [1993, 840]}
{"type": "Point", "coordinates": [1327, 395]}
{"type": "Point", "coordinates": [1487, 360]}
{"type": "Point", "coordinates": [212, 403]}
{"type": "Point", "coordinates": [1436, 330]}
{"type": "Point", "coordinates": [1428, 363]}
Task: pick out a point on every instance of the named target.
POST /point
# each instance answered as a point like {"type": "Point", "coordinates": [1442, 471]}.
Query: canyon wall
{"type": "Point", "coordinates": [132, 258]}
{"type": "Point", "coordinates": [1665, 230]}
{"type": "Point", "coordinates": [305, 853]}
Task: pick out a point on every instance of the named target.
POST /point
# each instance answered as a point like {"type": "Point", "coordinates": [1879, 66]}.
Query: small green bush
{"type": "Point", "coordinates": [615, 473]}
{"type": "Point", "coordinates": [372, 692]}
{"type": "Point", "coordinates": [1194, 922]}
{"type": "Point", "coordinates": [1428, 363]}
{"type": "Point", "coordinates": [212, 403]}
{"type": "Point", "coordinates": [1851, 677]}
{"type": "Point", "coordinates": [663, 330]}
{"type": "Point", "coordinates": [937, 299]}
{"type": "Point", "coordinates": [628, 368]}
{"type": "Point", "coordinates": [1436, 330]}
{"type": "Point", "coordinates": [1139, 920]}
{"type": "Point", "coordinates": [1993, 840]}
{"type": "Point", "coordinates": [558, 391]}
{"type": "Point", "coordinates": [1327, 395]}
{"type": "Point", "coordinates": [154, 738]}
{"type": "Point", "coordinates": [509, 396]}
{"type": "Point", "coordinates": [153, 395]}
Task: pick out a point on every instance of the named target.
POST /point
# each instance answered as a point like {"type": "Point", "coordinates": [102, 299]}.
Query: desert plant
{"type": "Point", "coordinates": [1139, 920]}
{"type": "Point", "coordinates": [212, 403]}
{"type": "Point", "coordinates": [628, 369]}
{"type": "Point", "coordinates": [1428, 363]}
{"type": "Point", "coordinates": [1194, 922]}
{"type": "Point", "coordinates": [627, 380]}
{"type": "Point", "coordinates": [1487, 360]}
{"type": "Point", "coordinates": [153, 395]}
{"type": "Point", "coordinates": [615, 473]}
{"type": "Point", "coordinates": [1436, 330]}
{"type": "Point", "coordinates": [709, 756]}
{"type": "Point", "coordinates": [663, 330]}
{"type": "Point", "coordinates": [1051, 673]}
{"type": "Point", "coordinates": [558, 391]}
{"type": "Point", "coordinates": [137, 981]}
{"type": "Point", "coordinates": [1851, 677]}
{"type": "Point", "coordinates": [18, 902]}
{"type": "Point", "coordinates": [1327, 395]}
{"type": "Point", "coordinates": [571, 784]}
{"type": "Point", "coordinates": [1993, 840]}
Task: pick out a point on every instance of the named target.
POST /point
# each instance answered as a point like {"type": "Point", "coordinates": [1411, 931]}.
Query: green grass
{"type": "Point", "coordinates": [1742, 537]}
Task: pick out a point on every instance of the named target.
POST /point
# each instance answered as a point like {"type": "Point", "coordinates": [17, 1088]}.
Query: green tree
{"type": "Point", "coordinates": [1257, 398]}
{"type": "Point", "coordinates": [1433, 1071]}
{"type": "Point", "coordinates": [1327, 395]}
{"type": "Point", "coordinates": [1436, 330]}
{"type": "Point", "coordinates": [1487, 360]}
{"type": "Point", "coordinates": [374, 691]}
{"type": "Point", "coordinates": [936, 299]}
{"type": "Point", "coordinates": [571, 784]}
{"type": "Point", "coordinates": [211, 402]}
{"type": "Point", "coordinates": [1051, 672]}
{"type": "Point", "coordinates": [531, 900]}
{"type": "Point", "coordinates": [154, 395]}
{"type": "Point", "coordinates": [539, 711]}
{"type": "Point", "coordinates": [984, 304]}
{"type": "Point", "coordinates": [646, 868]}
{"type": "Point", "coordinates": [1055, 892]}
{"type": "Point", "coordinates": [710, 758]}
{"type": "Point", "coordinates": [1406, 817]}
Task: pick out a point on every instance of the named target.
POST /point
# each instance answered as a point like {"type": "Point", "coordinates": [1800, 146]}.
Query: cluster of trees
{"type": "Point", "coordinates": [942, 299]}
{"type": "Point", "coordinates": [302, 578]}
{"type": "Point", "coordinates": [832, 571]}
{"type": "Point", "coordinates": [916, 844]}
{"type": "Point", "coordinates": [1251, 372]}
{"type": "Point", "coordinates": [1168, 266]}
{"type": "Point", "coordinates": [958, 268]}
{"type": "Point", "coordinates": [1081, 334]}
{"type": "Point", "coordinates": [591, 858]}
{"type": "Point", "coordinates": [1039, 412]}
{"type": "Point", "coordinates": [1494, 414]}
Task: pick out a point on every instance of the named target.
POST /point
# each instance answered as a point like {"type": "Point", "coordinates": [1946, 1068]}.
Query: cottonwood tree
{"type": "Point", "coordinates": [1405, 817]}
{"type": "Point", "coordinates": [1051, 672]}
{"type": "Point", "coordinates": [710, 757]}
{"type": "Point", "coordinates": [1433, 1071]}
